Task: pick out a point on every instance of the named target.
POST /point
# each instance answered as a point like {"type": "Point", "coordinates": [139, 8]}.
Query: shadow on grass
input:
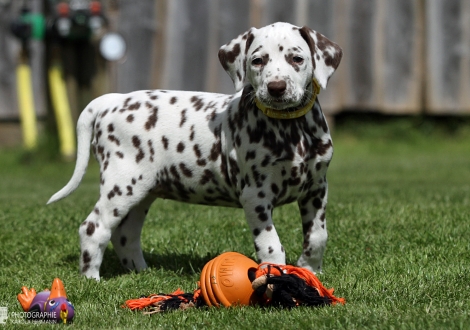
{"type": "Point", "coordinates": [181, 263]}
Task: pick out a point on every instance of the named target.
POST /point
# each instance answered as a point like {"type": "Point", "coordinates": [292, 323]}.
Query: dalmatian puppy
{"type": "Point", "coordinates": [265, 146]}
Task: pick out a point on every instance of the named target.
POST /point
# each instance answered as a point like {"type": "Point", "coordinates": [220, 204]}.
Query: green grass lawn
{"type": "Point", "coordinates": [398, 249]}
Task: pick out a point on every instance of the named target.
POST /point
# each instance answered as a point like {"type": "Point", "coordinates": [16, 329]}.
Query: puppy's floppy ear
{"type": "Point", "coordinates": [232, 56]}
{"type": "Point", "coordinates": [326, 54]}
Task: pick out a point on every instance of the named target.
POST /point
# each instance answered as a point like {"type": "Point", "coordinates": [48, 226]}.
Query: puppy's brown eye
{"type": "Point", "coordinates": [297, 59]}
{"type": "Point", "coordinates": [257, 61]}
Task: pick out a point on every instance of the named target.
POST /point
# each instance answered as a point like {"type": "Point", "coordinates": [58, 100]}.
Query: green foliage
{"type": "Point", "coordinates": [398, 250]}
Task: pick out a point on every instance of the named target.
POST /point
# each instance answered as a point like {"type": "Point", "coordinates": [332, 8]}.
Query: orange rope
{"type": "Point", "coordinates": [141, 303]}
{"type": "Point", "coordinates": [197, 293]}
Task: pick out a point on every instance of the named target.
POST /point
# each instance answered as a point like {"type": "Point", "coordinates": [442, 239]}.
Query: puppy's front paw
{"type": "Point", "coordinates": [308, 263]}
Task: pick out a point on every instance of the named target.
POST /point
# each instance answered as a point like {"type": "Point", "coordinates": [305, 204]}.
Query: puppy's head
{"type": "Point", "coordinates": [280, 61]}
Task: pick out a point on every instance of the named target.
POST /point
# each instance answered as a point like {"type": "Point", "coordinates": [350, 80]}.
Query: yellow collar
{"type": "Point", "coordinates": [285, 114]}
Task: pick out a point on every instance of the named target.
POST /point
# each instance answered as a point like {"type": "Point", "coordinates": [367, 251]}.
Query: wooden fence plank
{"type": "Point", "coordinates": [359, 49]}
{"type": "Point", "coordinates": [465, 68]}
{"type": "Point", "coordinates": [278, 11]}
{"type": "Point", "coordinates": [185, 64]}
{"type": "Point", "coordinates": [137, 25]}
{"type": "Point", "coordinates": [399, 69]}
{"type": "Point", "coordinates": [448, 53]}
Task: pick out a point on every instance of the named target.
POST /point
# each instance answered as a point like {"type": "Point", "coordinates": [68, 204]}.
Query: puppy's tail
{"type": "Point", "coordinates": [85, 125]}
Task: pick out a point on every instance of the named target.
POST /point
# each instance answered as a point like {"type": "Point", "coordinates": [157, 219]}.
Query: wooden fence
{"type": "Point", "coordinates": [400, 56]}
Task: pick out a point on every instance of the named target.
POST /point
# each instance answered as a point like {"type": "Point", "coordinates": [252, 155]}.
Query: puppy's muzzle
{"type": "Point", "coordinates": [277, 88]}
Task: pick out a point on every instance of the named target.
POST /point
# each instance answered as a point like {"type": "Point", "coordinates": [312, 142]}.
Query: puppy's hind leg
{"type": "Point", "coordinates": [94, 238]}
{"type": "Point", "coordinates": [126, 236]}
{"type": "Point", "coordinates": [116, 201]}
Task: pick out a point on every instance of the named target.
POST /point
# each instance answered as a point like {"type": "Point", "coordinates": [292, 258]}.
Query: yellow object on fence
{"type": "Point", "coordinates": [62, 112]}
{"type": "Point", "coordinates": [26, 106]}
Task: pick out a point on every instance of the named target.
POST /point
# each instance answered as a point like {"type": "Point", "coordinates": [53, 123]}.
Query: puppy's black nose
{"type": "Point", "coordinates": [277, 88]}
